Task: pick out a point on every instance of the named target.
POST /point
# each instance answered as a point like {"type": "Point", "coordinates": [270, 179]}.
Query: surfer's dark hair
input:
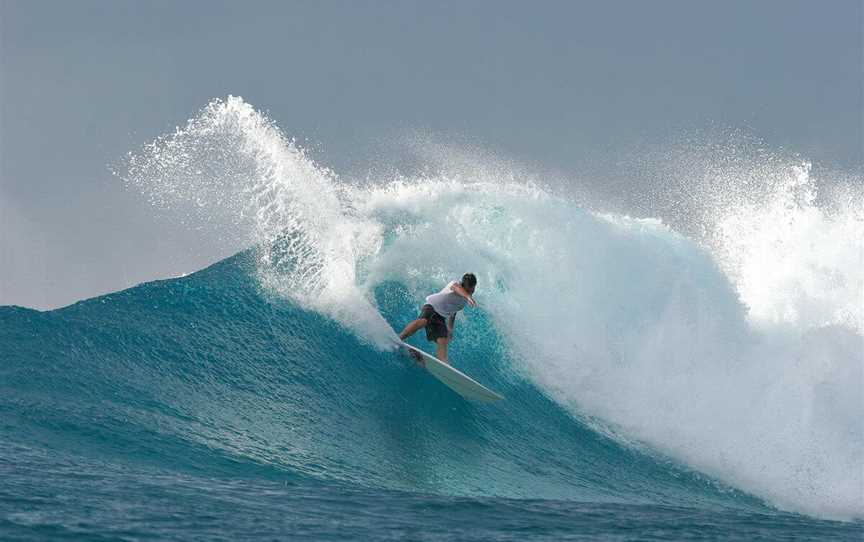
{"type": "Point", "coordinates": [469, 280]}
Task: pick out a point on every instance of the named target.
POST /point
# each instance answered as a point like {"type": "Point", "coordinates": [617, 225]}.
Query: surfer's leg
{"type": "Point", "coordinates": [441, 349]}
{"type": "Point", "coordinates": [411, 328]}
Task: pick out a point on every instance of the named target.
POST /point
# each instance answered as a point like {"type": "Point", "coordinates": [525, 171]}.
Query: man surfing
{"type": "Point", "coordinates": [438, 315]}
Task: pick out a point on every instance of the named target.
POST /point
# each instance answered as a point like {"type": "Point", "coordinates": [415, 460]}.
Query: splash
{"type": "Point", "coordinates": [793, 261]}
{"type": "Point", "coordinates": [231, 169]}
{"type": "Point", "coordinates": [788, 240]}
{"type": "Point", "coordinates": [628, 321]}
{"type": "Point", "coordinates": [740, 355]}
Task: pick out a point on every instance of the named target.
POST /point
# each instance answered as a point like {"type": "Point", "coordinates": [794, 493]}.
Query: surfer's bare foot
{"type": "Point", "coordinates": [417, 358]}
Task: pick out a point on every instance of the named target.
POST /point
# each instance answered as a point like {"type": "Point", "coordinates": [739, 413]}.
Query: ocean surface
{"type": "Point", "coordinates": [659, 386]}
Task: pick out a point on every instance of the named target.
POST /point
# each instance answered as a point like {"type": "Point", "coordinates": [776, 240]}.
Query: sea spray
{"type": "Point", "coordinates": [232, 169]}
{"type": "Point", "coordinates": [626, 320]}
{"type": "Point", "coordinates": [794, 261]}
{"type": "Point", "coordinates": [663, 338]}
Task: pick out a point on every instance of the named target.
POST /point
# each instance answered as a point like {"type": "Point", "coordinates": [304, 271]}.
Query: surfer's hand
{"type": "Point", "coordinates": [463, 293]}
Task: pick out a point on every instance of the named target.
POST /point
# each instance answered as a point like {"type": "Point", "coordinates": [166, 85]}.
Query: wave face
{"type": "Point", "coordinates": [640, 366]}
{"type": "Point", "coordinates": [205, 373]}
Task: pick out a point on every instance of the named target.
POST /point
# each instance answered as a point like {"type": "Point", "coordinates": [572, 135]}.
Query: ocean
{"type": "Point", "coordinates": [658, 386]}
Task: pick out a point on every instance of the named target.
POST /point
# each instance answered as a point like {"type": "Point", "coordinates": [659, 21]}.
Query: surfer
{"type": "Point", "coordinates": [438, 315]}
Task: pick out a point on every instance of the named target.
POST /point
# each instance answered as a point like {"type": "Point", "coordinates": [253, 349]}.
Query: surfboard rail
{"type": "Point", "coordinates": [453, 378]}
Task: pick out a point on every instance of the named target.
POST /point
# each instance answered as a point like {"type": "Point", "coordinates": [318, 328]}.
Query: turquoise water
{"type": "Point", "coordinates": [199, 408]}
{"type": "Point", "coordinates": [659, 386]}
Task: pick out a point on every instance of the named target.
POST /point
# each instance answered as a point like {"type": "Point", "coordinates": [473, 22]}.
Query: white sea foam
{"type": "Point", "coordinates": [231, 171]}
{"type": "Point", "coordinates": [794, 261]}
{"type": "Point", "coordinates": [626, 320]}
{"type": "Point", "coordinates": [740, 355]}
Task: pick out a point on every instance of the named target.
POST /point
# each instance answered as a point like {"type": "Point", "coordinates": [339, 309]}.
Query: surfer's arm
{"type": "Point", "coordinates": [451, 321]}
{"type": "Point", "coordinates": [463, 293]}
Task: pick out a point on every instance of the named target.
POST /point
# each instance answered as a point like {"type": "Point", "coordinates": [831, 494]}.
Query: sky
{"type": "Point", "coordinates": [550, 84]}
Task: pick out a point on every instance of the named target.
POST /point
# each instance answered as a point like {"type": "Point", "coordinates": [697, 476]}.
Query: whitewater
{"type": "Point", "coordinates": [721, 371]}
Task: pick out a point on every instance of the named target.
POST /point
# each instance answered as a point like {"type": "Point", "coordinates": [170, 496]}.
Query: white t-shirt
{"type": "Point", "coordinates": [447, 302]}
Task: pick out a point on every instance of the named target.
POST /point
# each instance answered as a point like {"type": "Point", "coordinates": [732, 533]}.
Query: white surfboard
{"type": "Point", "coordinates": [454, 379]}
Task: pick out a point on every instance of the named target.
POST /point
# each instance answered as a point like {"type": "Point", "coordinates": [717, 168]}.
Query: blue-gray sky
{"type": "Point", "coordinates": [548, 83]}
